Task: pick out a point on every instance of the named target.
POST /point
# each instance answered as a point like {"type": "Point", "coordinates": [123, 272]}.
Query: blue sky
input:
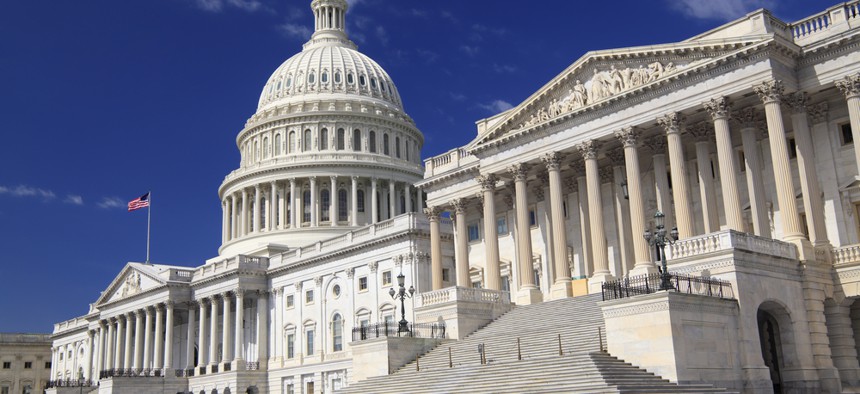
{"type": "Point", "coordinates": [103, 100]}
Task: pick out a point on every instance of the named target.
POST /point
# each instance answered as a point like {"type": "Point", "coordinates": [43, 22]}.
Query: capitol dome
{"type": "Point", "coordinates": [329, 150]}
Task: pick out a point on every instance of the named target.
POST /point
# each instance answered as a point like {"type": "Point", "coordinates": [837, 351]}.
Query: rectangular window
{"type": "Point", "coordinates": [446, 275]}
{"type": "Point", "coordinates": [501, 225]}
{"type": "Point", "coordinates": [310, 342]}
{"type": "Point", "coordinates": [792, 148]}
{"type": "Point", "coordinates": [743, 160]}
{"type": "Point", "coordinates": [7, 365]}
{"type": "Point", "coordinates": [474, 235]}
{"type": "Point", "coordinates": [291, 345]}
{"type": "Point", "coordinates": [47, 365]}
{"type": "Point", "coordinates": [309, 387]}
{"type": "Point", "coordinates": [477, 285]}
{"type": "Point", "coordinates": [290, 389]}
{"type": "Point", "coordinates": [28, 364]}
{"type": "Point", "coordinates": [845, 133]}
{"type": "Point", "coordinates": [386, 278]}
{"type": "Point", "coordinates": [532, 217]}
{"type": "Point", "coordinates": [362, 283]}
{"type": "Point", "coordinates": [4, 390]}
{"type": "Point", "coordinates": [388, 319]}
{"type": "Point", "coordinates": [291, 301]}
{"type": "Point", "coordinates": [309, 297]}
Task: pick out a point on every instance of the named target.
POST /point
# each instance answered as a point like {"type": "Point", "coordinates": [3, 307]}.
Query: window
{"type": "Point", "coordinates": [265, 147]}
{"type": "Point", "coordinates": [309, 297]}
{"type": "Point", "coordinates": [291, 345]}
{"type": "Point", "coordinates": [4, 390]}
{"type": "Point", "coordinates": [337, 333]}
{"type": "Point", "coordinates": [324, 77]}
{"type": "Point", "coordinates": [8, 364]}
{"type": "Point", "coordinates": [446, 275]}
{"type": "Point", "coordinates": [407, 149]}
{"type": "Point", "coordinates": [372, 141]}
{"type": "Point", "coordinates": [324, 139]}
{"type": "Point", "coordinates": [289, 389]}
{"type": "Point", "coordinates": [289, 82]}
{"type": "Point", "coordinates": [291, 301]}
{"type": "Point", "coordinates": [385, 149]}
{"type": "Point", "coordinates": [474, 235]}
{"type": "Point", "coordinates": [335, 291]}
{"type": "Point", "coordinates": [309, 387]}
{"type": "Point", "coordinates": [309, 342]}
{"type": "Point", "coordinates": [307, 141]}
{"type": "Point", "coordinates": [342, 208]}
{"type": "Point", "coordinates": [397, 147]}
{"type": "Point", "coordinates": [28, 364]}
{"type": "Point", "coordinates": [47, 365]}
{"type": "Point", "coordinates": [564, 208]}
{"type": "Point", "coordinates": [337, 78]}
{"type": "Point", "coordinates": [362, 283]}
{"type": "Point", "coordinates": [341, 137]}
{"type": "Point", "coordinates": [292, 142]}
{"type": "Point", "coordinates": [325, 201]}
{"type": "Point", "coordinates": [356, 140]}
{"type": "Point", "coordinates": [263, 211]}
{"type": "Point", "coordinates": [501, 225]}
{"type": "Point", "coordinates": [477, 285]}
{"type": "Point", "coordinates": [361, 80]}
{"type": "Point", "coordinates": [743, 160]}
{"type": "Point", "coordinates": [373, 83]}
{"type": "Point", "coordinates": [277, 144]}
{"type": "Point", "coordinates": [360, 201]}
{"type": "Point", "coordinates": [792, 148]}
{"type": "Point", "coordinates": [845, 133]}
{"type": "Point", "coordinates": [350, 79]}
{"type": "Point", "coordinates": [386, 278]}
{"type": "Point", "coordinates": [532, 217]}
{"type": "Point", "coordinates": [306, 206]}
{"type": "Point", "coordinates": [311, 78]}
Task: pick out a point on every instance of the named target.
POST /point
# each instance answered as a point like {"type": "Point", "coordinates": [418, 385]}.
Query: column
{"type": "Point", "coordinates": [561, 287]}
{"type": "Point", "coordinates": [641, 252]}
{"type": "Point", "coordinates": [138, 340]}
{"type": "Point", "coordinates": [262, 328]}
{"type": "Point", "coordinates": [770, 93]}
{"type": "Point", "coordinates": [354, 198]}
{"type": "Point", "coordinates": [601, 274]}
{"type": "Point", "coordinates": [615, 175]}
{"type": "Point", "coordinates": [462, 243]}
{"type": "Point", "coordinates": [332, 211]}
{"type": "Point", "coordinates": [233, 217]}
{"type": "Point", "coordinates": [584, 222]}
{"type": "Point", "coordinates": [812, 204]}
{"type": "Point", "coordinates": [126, 362]}
{"type": "Point", "coordinates": [226, 335]}
{"type": "Point", "coordinates": [88, 365]}
{"type": "Point", "coordinates": [240, 332]}
{"type": "Point", "coordinates": [661, 179]}
{"type": "Point", "coordinates": [419, 200]}
{"type": "Point", "coordinates": [158, 356]}
{"type": "Point", "coordinates": [256, 213]}
{"type": "Point", "coordinates": [407, 196]}
{"type": "Point", "coordinates": [492, 271]}
{"type": "Point", "coordinates": [528, 292]}
{"type": "Point", "coordinates": [749, 121]}
{"type": "Point", "coordinates": [109, 347]}
{"type": "Point", "coordinates": [278, 335]}
{"type": "Point", "coordinates": [673, 123]}
{"type": "Point", "coordinates": [701, 132]}
{"type": "Point", "coordinates": [201, 329]}
{"type": "Point", "coordinates": [392, 199]}
{"type": "Point", "coordinates": [224, 221]}
{"type": "Point", "coordinates": [168, 336]}
{"type": "Point", "coordinates": [314, 208]}
{"type": "Point", "coordinates": [189, 346]}
{"type": "Point", "coordinates": [720, 110]}
{"type": "Point", "coordinates": [118, 342]}
{"type": "Point", "coordinates": [374, 212]}
{"type": "Point", "coordinates": [273, 206]}
{"type": "Point", "coordinates": [213, 334]}
{"type": "Point", "coordinates": [147, 340]}
{"type": "Point", "coordinates": [850, 87]}
{"type": "Point", "coordinates": [100, 360]}
{"type": "Point", "coordinates": [294, 223]}
{"type": "Point", "coordinates": [244, 226]}
{"type": "Point", "coordinates": [435, 247]}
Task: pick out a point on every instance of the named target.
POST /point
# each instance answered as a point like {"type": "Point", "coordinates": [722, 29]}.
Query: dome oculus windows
{"type": "Point", "coordinates": [311, 78]}
{"type": "Point", "coordinates": [350, 79]}
{"type": "Point", "coordinates": [362, 80]}
{"type": "Point", "coordinates": [337, 77]}
{"type": "Point", "coordinates": [324, 77]}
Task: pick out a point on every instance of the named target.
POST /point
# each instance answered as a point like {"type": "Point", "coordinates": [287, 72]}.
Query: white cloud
{"type": "Point", "coordinates": [723, 10]}
{"type": "Point", "coordinates": [496, 106]}
{"type": "Point", "coordinates": [427, 55]}
{"type": "Point", "coordinates": [470, 50]}
{"type": "Point", "coordinates": [418, 13]}
{"type": "Point", "coordinates": [296, 30]}
{"type": "Point", "coordinates": [457, 96]}
{"type": "Point", "coordinates": [504, 68]}
{"type": "Point", "coordinates": [382, 35]}
{"type": "Point", "coordinates": [111, 203]}
{"type": "Point", "coordinates": [221, 5]}
{"type": "Point", "coordinates": [74, 200]}
{"type": "Point", "coordinates": [27, 191]}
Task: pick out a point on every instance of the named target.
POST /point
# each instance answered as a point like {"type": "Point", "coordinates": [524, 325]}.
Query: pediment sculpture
{"type": "Point", "coordinates": [132, 284]}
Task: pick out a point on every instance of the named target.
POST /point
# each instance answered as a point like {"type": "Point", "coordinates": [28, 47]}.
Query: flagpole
{"type": "Point", "coordinates": [148, 220]}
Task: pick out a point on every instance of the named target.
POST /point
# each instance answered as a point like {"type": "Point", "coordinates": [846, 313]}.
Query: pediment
{"type": "Point", "coordinates": [133, 279]}
{"type": "Point", "coordinates": [598, 77]}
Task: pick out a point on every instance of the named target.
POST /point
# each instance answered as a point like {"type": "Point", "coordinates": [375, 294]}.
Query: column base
{"type": "Point", "coordinates": [643, 268]}
{"type": "Point", "coordinates": [805, 251]}
{"type": "Point", "coordinates": [529, 296]}
{"type": "Point", "coordinates": [595, 282]}
{"type": "Point", "coordinates": [561, 289]}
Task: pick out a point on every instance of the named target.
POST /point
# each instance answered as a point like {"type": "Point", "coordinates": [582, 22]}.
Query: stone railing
{"type": "Point", "coordinates": [455, 293]}
{"type": "Point", "coordinates": [846, 255]}
{"type": "Point", "coordinates": [180, 275]}
{"type": "Point", "coordinates": [447, 161]}
{"type": "Point", "coordinates": [24, 338]}
{"type": "Point", "coordinates": [317, 157]}
{"type": "Point", "coordinates": [235, 262]}
{"type": "Point", "coordinates": [77, 322]}
{"type": "Point", "coordinates": [814, 27]}
{"type": "Point", "coordinates": [727, 240]}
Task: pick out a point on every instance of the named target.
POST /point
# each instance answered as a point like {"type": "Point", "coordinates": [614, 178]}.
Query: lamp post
{"type": "Point", "coordinates": [402, 294]}
{"type": "Point", "coordinates": [659, 239]}
{"type": "Point", "coordinates": [81, 379]}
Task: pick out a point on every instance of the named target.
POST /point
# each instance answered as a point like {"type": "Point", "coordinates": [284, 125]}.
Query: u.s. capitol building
{"type": "Point", "coordinates": [744, 137]}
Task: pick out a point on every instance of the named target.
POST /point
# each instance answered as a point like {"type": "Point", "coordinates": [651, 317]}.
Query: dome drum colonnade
{"type": "Point", "coordinates": [587, 167]}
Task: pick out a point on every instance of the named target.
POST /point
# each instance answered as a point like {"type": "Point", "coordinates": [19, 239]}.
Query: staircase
{"type": "Point", "coordinates": [559, 351]}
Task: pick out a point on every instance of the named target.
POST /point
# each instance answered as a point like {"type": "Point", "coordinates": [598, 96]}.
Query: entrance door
{"type": "Point", "coordinates": [768, 331]}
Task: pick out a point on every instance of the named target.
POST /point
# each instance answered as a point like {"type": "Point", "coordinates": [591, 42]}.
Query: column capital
{"type": "Point", "coordinates": [433, 213]}
{"type": "Point", "coordinates": [239, 292]}
{"type": "Point", "coordinates": [149, 310]}
{"type": "Point", "coordinates": [850, 85]}
{"type": "Point", "coordinates": [459, 205]}
{"type": "Point", "coordinates": [354, 178]}
{"type": "Point", "coordinates": [487, 181]}
{"type": "Point", "coordinates": [672, 122]}
{"type": "Point", "coordinates": [770, 91]}
{"type": "Point", "coordinates": [519, 171]}
{"type": "Point", "coordinates": [192, 304]}
{"type": "Point", "coordinates": [701, 131]}
{"type": "Point", "coordinates": [552, 160]}
{"type": "Point", "coordinates": [798, 102]}
{"type": "Point", "coordinates": [257, 187]}
{"type": "Point", "coordinates": [588, 149]}
{"type": "Point", "coordinates": [616, 155]}
{"type": "Point", "coordinates": [628, 136]}
{"type": "Point", "coordinates": [298, 286]}
{"type": "Point", "coordinates": [272, 183]}
{"type": "Point", "coordinates": [350, 272]}
{"type": "Point", "coordinates": [373, 266]}
{"type": "Point", "coordinates": [318, 281]}
{"type": "Point", "coordinates": [292, 182]}
{"type": "Point", "coordinates": [333, 178]}
{"type": "Point", "coordinates": [657, 144]}
{"type": "Point", "coordinates": [169, 304]}
{"type": "Point", "coordinates": [313, 179]}
{"type": "Point", "coordinates": [225, 295]}
{"type": "Point", "coordinates": [718, 107]}
{"type": "Point", "coordinates": [818, 112]}
{"type": "Point", "coordinates": [748, 117]}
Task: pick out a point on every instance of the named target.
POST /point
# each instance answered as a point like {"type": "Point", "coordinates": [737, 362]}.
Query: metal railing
{"type": "Point", "coordinates": [252, 365]}
{"type": "Point", "coordinates": [415, 330]}
{"type": "Point", "coordinates": [141, 373]}
{"type": "Point", "coordinates": [647, 284]}
{"type": "Point", "coordinates": [69, 383]}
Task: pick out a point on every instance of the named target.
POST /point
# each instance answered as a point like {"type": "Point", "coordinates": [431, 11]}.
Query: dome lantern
{"type": "Point", "coordinates": [329, 24]}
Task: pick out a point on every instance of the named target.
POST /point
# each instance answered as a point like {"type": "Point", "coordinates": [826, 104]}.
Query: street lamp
{"type": "Point", "coordinates": [81, 379]}
{"type": "Point", "coordinates": [659, 239]}
{"type": "Point", "coordinates": [402, 295]}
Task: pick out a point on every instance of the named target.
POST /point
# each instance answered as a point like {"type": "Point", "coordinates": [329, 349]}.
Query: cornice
{"type": "Point", "coordinates": [460, 173]}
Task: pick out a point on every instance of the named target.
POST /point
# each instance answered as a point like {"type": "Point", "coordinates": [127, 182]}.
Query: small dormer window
{"type": "Point", "coordinates": [289, 83]}
{"type": "Point", "coordinates": [311, 78]}
{"type": "Point", "coordinates": [337, 77]}
{"type": "Point", "coordinates": [362, 81]}
{"type": "Point", "coordinates": [324, 77]}
{"type": "Point", "coordinates": [350, 79]}
{"type": "Point", "coordinates": [373, 83]}
{"type": "Point", "coordinates": [279, 85]}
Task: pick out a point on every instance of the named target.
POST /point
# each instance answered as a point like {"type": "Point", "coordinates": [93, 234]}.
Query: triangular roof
{"type": "Point", "coordinates": [133, 279]}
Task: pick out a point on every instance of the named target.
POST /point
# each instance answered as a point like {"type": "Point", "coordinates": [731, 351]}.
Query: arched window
{"type": "Point", "coordinates": [385, 149]}
{"type": "Point", "coordinates": [289, 208]}
{"type": "Point", "coordinates": [356, 140]}
{"type": "Point", "coordinates": [341, 139]}
{"type": "Point", "coordinates": [360, 200]}
{"type": "Point", "coordinates": [265, 147]}
{"type": "Point", "coordinates": [307, 142]}
{"type": "Point", "coordinates": [372, 141]}
{"type": "Point", "coordinates": [306, 206]}
{"type": "Point", "coordinates": [402, 204]}
{"type": "Point", "coordinates": [324, 139]}
{"type": "Point", "coordinates": [325, 201]}
{"type": "Point", "coordinates": [342, 209]}
{"type": "Point", "coordinates": [397, 147]}
{"type": "Point", "coordinates": [263, 212]}
{"type": "Point", "coordinates": [337, 332]}
{"type": "Point", "coordinates": [251, 218]}
{"type": "Point", "coordinates": [256, 150]}
{"type": "Point", "coordinates": [292, 142]}
{"type": "Point", "coordinates": [277, 144]}
{"type": "Point", "coordinates": [408, 147]}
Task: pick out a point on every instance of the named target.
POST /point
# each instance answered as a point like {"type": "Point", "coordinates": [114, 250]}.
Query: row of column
{"type": "Point", "coordinates": [232, 337]}
{"type": "Point", "coordinates": [243, 211]}
{"type": "Point", "coordinates": [61, 364]}
{"type": "Point", "coordinates": [130, 341]}
{"type": "Point", "coordinates": [673, 124]}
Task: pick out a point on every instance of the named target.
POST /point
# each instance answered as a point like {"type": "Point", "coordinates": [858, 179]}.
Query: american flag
{"type": "Point", "coordinates": [138, 203]}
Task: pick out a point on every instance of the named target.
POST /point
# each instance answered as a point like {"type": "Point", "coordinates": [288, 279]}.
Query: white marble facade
{"type": "Point", "coordinates": [751, 127]}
